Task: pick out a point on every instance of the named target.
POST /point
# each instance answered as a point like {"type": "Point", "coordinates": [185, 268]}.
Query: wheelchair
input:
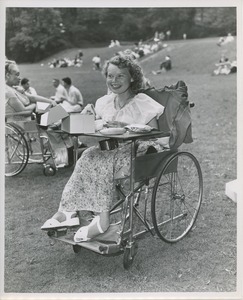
{"type": "Point", "coordinates": [161, 196]}
{"type": "Point", "coordinates": [26, 143]}
{"type": "Point", "coordinates": [163, 192]}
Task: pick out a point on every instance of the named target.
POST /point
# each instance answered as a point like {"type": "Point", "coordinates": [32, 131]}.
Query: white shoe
{"type": "Point", "coordinates": [72, 219]}
{"type": "Point", "coordinates": [82, 234]}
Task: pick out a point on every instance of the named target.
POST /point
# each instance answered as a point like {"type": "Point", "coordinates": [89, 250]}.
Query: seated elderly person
{"type": "Point", "coordinates": [91, 186]}
{"type": "Point", "coordinates": [17, 101]}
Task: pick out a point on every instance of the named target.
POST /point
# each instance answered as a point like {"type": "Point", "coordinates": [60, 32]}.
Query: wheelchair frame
{"type": "Point", "coordinates": [175, 202]}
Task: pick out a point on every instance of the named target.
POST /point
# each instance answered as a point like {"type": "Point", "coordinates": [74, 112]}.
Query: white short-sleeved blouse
{"type": "Point", "coordinates": [140, 110]}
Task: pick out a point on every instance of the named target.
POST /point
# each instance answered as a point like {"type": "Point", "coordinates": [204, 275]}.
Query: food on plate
{"type": "Point", "coordinates": [111, 131]}
{"type": "Point", "coordinates": [139, 128]}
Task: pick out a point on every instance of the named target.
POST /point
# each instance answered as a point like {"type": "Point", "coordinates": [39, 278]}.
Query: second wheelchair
{"type": "Point", "coordinates": [26, 142]}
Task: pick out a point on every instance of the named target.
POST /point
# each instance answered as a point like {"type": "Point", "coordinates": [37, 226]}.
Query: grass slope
{"type": "Point", "coordinates": [205, 261]}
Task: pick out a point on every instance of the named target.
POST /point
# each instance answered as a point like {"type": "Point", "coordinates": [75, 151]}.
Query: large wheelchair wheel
{"type": "Point", "coordinates": [177, 197]}
{"type": "Point", "coordinates": [16, 150]}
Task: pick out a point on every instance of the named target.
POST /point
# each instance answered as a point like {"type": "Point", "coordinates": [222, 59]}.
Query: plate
{"type": "Point", "coordinates": [139, 128]}
{"type": "Point", "coordinates": [111, 131]}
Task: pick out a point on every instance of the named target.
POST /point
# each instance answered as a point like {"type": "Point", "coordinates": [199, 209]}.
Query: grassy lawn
{"type": "Point", "coordinates": [204, 261]}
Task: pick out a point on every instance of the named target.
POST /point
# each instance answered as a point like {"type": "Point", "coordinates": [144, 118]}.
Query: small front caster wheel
{"type": "Point", "coordinates": [76, 248]}
{"type": "Point", "coordinates": [129, 255]}
{"type": "Point", "coordinates": [49, 170]}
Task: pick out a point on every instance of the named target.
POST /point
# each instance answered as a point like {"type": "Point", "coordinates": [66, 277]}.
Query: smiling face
{"type": "Point", "coordinates": [118, 80]}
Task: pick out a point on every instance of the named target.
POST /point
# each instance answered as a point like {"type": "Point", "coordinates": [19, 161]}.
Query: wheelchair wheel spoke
{"type": "Point", "coordinates": [177, 197]}
{"type": "Point", "coordinates": [16, 151]}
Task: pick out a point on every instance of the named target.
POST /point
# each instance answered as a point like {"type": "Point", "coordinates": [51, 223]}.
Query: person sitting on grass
{"type": "Point", "coordinates": [26, 86]}
{"type": "Point", "coordinates": [91, 185]}
{"type": "Point", "coordinates": [225, 67]}
{"type": "Point", "coordinates": [60, 91]}
{"type": "Point", "coordinates": [166, 65]}
{"type": "Point", "coordinates": [73, 101]}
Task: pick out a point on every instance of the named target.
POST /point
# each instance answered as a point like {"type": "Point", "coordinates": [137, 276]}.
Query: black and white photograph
{"type": "Point", "coordinates": [122, 137]}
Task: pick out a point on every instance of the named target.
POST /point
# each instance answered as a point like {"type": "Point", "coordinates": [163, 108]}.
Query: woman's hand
{"type": "Point", "coordinates": [99, 124]}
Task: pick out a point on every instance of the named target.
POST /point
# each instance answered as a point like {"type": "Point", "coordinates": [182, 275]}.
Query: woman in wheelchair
{"type": "Point", "coordinates": [91, 186]}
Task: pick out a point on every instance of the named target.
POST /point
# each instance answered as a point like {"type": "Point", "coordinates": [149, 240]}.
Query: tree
{"type": "Point", "coordinates": [33, 33]}
{"type": "Point", "coordinates": [216, 21]}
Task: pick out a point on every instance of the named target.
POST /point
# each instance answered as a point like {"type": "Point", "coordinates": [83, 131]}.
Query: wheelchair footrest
{"type": "Point", "coordinates": [111, 235]}
{"type": "Point", "coordinates": [101, 248]}
{"type": "Point", "coordinates": [105, 243]}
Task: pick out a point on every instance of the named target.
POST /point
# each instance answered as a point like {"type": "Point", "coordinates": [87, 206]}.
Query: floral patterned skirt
{"type": "Point", "coordinates": [91, 185]}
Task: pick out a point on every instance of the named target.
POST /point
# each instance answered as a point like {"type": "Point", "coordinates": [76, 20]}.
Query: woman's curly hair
{"type": "Point", "coordinates": [125, 60]}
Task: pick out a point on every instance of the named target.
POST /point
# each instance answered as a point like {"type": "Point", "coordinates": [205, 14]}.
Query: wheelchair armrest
{"type": "Point", "coordinates": [26, 113]}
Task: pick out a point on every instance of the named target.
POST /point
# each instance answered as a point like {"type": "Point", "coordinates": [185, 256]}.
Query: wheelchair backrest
{"type": "Point", "coordinates": [176, 118]}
